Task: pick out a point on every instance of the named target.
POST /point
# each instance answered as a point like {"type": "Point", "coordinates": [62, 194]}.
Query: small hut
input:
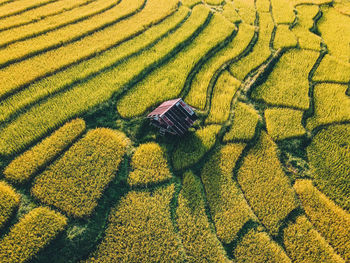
{"type": "Point", "coordinates": [173, 116]}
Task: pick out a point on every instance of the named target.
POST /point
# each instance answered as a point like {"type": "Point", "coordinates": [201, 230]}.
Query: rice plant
{"type": "Point", "coordinates": [9, 201]}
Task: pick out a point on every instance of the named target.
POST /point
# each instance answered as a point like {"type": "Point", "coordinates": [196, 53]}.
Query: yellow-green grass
{"type": "Point", "coordinates": [333, 27]}
{"type": "Point", "coordinates": [284, 38]}
{"type": "Point", "coordinates": [224, 90]}
{"type": "Point", "coordinates": [331, 105]}
{"type": "Point", "coordinates": [76, 181]}
{"type": "Point", "coordinates": [331, 221]}
{"type": "Point", "coordinates": [40, 13]}
{"type": "Point", "coordinates": [197, 234]}
{"type": "Point", "coordinates": [193, 147]}
{"type": "Point", "coordinates": [52, 23]}
{"type": "Point", "coordinates": [9, 201]}
{"type": "Point", "coordinates": [342, 7]}
{"type": "Point", "coordinates": [329, 156]}
{"type": "Point", "coordinates": [304, 244]}
{"type": "Point", "coordinates": [18, 74]}
{"type": "Point", "coordinates": [305, 21]}
{"type": "Point", "coordinates": [198, 92]}
{"type": "Point", "coordinates": [42, 118]}
{"type": "Point", "coordinates": [149, 164]}
{"type": "Point", "coordinates": [228, 207]}
{"type": "Point", "coordinates": [64, 78]}
{"type": "Point", "coordinates": [229, 11]}
{"type": "Point", "coordinates": [260, 52]}
{"type": "Point", "coordinates": [213, 2]}
{"type": "Point", "coordinates": [297, 3]}
{"type": "Point", "coordinates": [333, 70]}
{"type": "Point", "coordinates": [21, 6]}
{"type": "Point", "coordinates": [167, 82]}
{"type": "Point", "coordinates": [282, 11]}
{"type": "Point", "coordinates": [246, 10]}
{"type": "Point", "coordinates": [191, 3]}
{"type": "Point", "coordinates": [284, 123]}
{"type": "Point", "coordinates": [288, 84]}
{"type": "Point", "coordinates": [31, 234]}
{"type": "Point", "coordinates": [258, 247]}
{"type": "Point", "coordinates": [265, 185]}
{"type": "Point", "coordinates": [140, 230]}
{"type": "Point", "coordinates": [244, 123]}
{"type": "Point", "coordinates": [75, 31]}
{"type": "Point", "coordinates": [22, 168]}
{"type": "Point", "coordinates": [263, 5]}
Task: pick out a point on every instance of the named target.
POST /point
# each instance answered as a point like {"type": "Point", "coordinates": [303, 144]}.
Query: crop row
{"type": "Point", "coordinates": [244, 123]}
{"type": "Point", "coordinates": [42, 88]}
{"type": "Point", "coordinates": [167, 82]}
{"type": "Point", "coordinates": [76, 181]}
{"type": "Point", "coordinates": [140, 230]}
{"type": "Point", "coordinates": [224, 90]}
{"type": "Point", "coordinates": [52, 113]}
{"type": "Point", "coordinates": [288, 84]}
{"type": "Point", "coordinates": [9, 201]}
{"type": "Point", "coordinates": [30, 235]}
{"type": "Point", "coordinates": [331, 171]}
{"type": "Point", "coordinates": [27, 164]}
{"type": "Point", "coordinates": [283, 123]}
{"type": "Point", "coordinates": [331, 105]}
{"type": "Point", "coordinates": [149, 164]}
{"type": "Point", "coordinates": [304, 244]}
{"type": "Point", "coordinates": [14, 76]}
{"type": "Point", "coordinates": [192, 148]}
{"type": "Point", "coordinates": [256, 246]}
{"type": "Point", "coordinates": [40, 13]}
{"type": "Point", "coordinates": [331, 221]}
{"type": "Point", "coordinates": [266, 187]}
{"type": "Point", "coordinates": [17, 7]}
{"type": "Point", "coordinates": [228, 207]}
{"type": "Point", "coordinates": [261, 50]}
{"type": "Point", "coordinates": [198, 91]}
{"type": "Point", "coordinates": [198, 237]}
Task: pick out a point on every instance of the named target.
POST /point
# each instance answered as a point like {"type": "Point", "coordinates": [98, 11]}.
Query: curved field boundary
{"type": "Point", "coordinates": [87, 68]}
{"type": "Point", "coordinates": [33, 16]}
{"type": "Point", "coordinates": [20, 6]}
{"type": "Point", "coordinates": [65, 106]}
{"type": "Point", "coordinates": [76, 181]}
{"type": "Point", "coordinates": [9, 201]}
{"type": "Point", "coordinates": [26, 165]}
{"type": "Point", "coordinates": [168, 81]}
{"type": "Point", "coordinates": [22, 50]}
{"type": "Point", "coordinates": [15, 76]}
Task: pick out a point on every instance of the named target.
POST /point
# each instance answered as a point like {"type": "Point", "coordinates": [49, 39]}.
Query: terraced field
{"type": "Point", "coordinates": [262, 176]}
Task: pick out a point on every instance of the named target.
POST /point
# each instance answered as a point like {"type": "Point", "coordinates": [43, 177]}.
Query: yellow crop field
{"type": "Point", "coordinates": [261, 172]}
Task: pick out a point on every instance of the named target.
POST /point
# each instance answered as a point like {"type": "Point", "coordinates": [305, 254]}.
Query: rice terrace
{"type": "Point", "coordinates": [257, 170]}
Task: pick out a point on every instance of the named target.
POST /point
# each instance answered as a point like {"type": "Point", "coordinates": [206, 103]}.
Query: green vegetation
{"type": "Point", "coordinates": [198, 92]}
{"type": "Point", "coordinates": [149, 164]}
{"type": "Point", "coordinates": [244, 123]}
{"type": "Point", "coordinates": [24, 166]}
{"type": "Point", "coordinates": [9, 201]}
{"type": "Point", "coordinates": [332, 69]}
{"type": "Point", "coordinates": [265, 185]}
{"type": "Point", "coordinates": [283, 11]}
{"type": "Point", "coordinates": [31, 234]}
{"type": "Point", "coordinates": [329, 157]}
{"type": "Point", "coordinates": [304, 244]}
{"type": "Point", "coordinates": [331, 105]}
{"type": "Point", "coordinates": [224, 90]}
{"type": "Point", "coordinates": [75, 182]}
{"type": "Point", "coordinates": [230, 13]}
{"type": "Point", "coordinates": [284, 38]}
{"type": "Point", "coordinates": [288, 84]}
{"type": "Point", "coordinates": [246, 10]}
{"type": "Point", "coordinates": [140, 230]}
{"type": "Point", "coordinates": [167, 82]}
{"type": "Point", "coordinates": [331, 221]}
{"type": "Point", "coordinates": [283, 123]}
{"type": "Point", "coordinates": [197, 234]}
{"type": "Point", "coordinates": [227, 204]}
{"type": "Point", "coordinates": [258, 247]}
{"type": "Point", "coordinates": [193, 147]}
{"type": "Point", "coordinates": [19, 6]}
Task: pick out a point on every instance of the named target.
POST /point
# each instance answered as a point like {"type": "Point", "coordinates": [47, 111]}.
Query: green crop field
{"type": "Point", "coordinates": [263, 175]}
